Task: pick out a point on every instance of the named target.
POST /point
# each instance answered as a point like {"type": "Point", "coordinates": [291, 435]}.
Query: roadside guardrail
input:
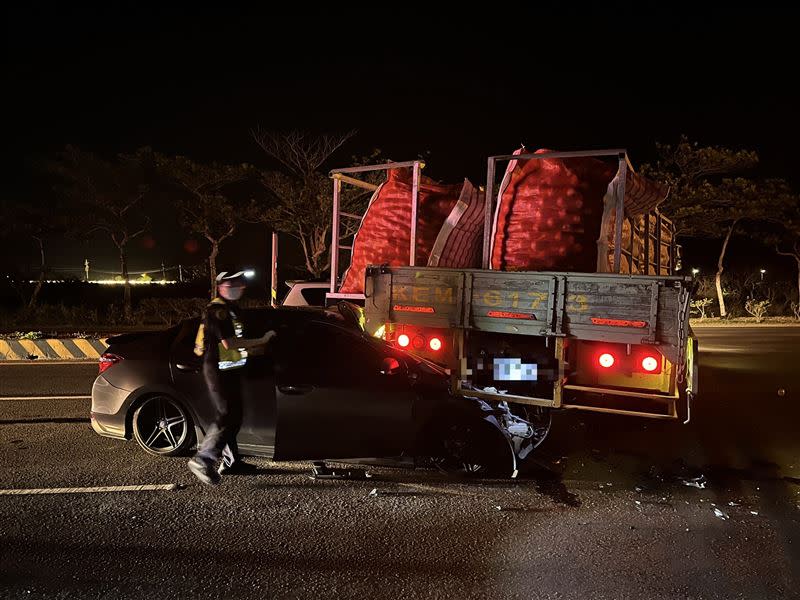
{"type": "Point", "coordinates": [52, 349]}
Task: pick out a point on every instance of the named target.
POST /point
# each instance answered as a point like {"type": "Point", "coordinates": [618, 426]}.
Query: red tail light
{"type": "Point", "coordinates": [435, 344]}
{"type": "Point", "coordinates": [403, 340]}
{"type": "Point", "coordinates": [418, 342]}
{"type": "Point", "coordinates": [650, 364]}
{"type": "Point", "coordinates": [606, 360]}
{"type": "Point", "coordinates": [108, 360]}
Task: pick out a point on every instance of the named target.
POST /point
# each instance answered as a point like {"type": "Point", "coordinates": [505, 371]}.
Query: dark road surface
{"type": "Point", "coordinates": [604, 512]}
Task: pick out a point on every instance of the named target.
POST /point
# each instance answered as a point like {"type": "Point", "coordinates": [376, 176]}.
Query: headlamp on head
{"type": "Point", "coordinates": [237, 277]}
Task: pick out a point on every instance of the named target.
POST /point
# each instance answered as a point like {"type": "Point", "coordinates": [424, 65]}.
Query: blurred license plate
{"type": "Point", "coordinates": [513, 369]}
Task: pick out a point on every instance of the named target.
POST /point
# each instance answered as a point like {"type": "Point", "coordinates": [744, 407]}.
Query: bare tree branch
{"type": "Point", "coordinates": [209, 210]}
{"type": "Point", "coordinates": [301, 192]}
{"type": "Point", "coordinates": [300, 152]}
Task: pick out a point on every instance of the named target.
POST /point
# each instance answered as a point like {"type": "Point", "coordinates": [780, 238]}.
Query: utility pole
{"type": "Point", "coordinates": [86, 269]}
{"type": "Point", "coordinates": [180, 273]}
{"type": "Point", "coordinates": [273, 291]}
{"type": "Point", "coordinates": [163, 272]}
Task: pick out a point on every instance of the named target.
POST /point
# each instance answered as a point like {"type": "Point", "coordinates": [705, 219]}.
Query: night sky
{"type": "Point", "coordinates": [454, 86]}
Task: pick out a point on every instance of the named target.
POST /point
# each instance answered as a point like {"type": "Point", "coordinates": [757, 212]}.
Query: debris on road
{"type": "Point", "coordinates": [322, 471]}
{"type": "Point", "coordinates": [721, 515]}
{"type": "Point", "coordinates": [375, 492]}
{"type": "Point", "coordinates": [698, 482]}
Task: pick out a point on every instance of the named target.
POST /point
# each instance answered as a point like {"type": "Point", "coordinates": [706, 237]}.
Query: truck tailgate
{"type": "Point", "coordinates": [635, 309]}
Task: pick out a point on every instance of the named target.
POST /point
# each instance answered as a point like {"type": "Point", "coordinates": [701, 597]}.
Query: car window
{"type": "Point", "coordinates": [183, 346]}
{"type": "Point", "coordinates": [257, 321]}
{"type": "Point", "coordinates": [326, 353]}
{"type": "Point", "coordinates": [314, 296]}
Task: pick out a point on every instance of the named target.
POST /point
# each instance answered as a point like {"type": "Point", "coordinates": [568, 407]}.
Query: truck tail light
{"type": "Point", "coordinates": [606, 360]}
{"type": "Point", "coordinates": [435, 344]}
{"type": "Point", "coordinates": [650, 364]}
{"type": "Point", "coordinates": [403, 340]}
{"type": "Point", "coordinates": [108, 360]}
{"type": "Point", "coordinates": [419, 342]}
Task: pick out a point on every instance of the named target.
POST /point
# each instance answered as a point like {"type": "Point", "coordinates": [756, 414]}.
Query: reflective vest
{"type": "Point", "coordinates": [229, 358]}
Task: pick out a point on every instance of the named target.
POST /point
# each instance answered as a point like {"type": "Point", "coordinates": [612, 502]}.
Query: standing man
{"type": "Point", "coordinates": [224, 349]}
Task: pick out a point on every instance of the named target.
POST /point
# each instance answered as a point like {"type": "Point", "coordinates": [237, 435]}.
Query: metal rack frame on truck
{"type": "Point", "coordinates": [606, 342]}
{"type": "Point", "coordinates": [340, 176]}
{"type": "Point", "coordinates": [654, 218]}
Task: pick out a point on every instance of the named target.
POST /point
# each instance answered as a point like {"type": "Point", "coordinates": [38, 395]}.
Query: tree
{"type": "Point", "coordinates": [208, 206]}
{"type": "Point", "coordinates": [687, 163]}
{"type": "Point", "coordinates": [787, 242]}
{"type": "Point", "coordinates": [703, 202]}
{"type": "Point", "coordinates": [110, 196]}
{"type": "Point", "coordinates": [301, 192]}
{"type": "Point", "coordinates": [37, 223]}
{"type": "Point", "coordinates": [718, 209]}
{"type": "Point", "coordinates": [41, 224]}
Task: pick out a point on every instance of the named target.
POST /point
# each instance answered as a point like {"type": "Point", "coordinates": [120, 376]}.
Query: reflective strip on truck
{"type": "Point", "coordinates": [414, 309]}
{"type": "Point", "coordinates": [619, 322]}
{"type": "Point", "coordinates": [502, 314]}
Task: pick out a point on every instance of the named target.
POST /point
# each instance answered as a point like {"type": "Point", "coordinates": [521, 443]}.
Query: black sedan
{"type": "Point", "coordinates": [326, 390]}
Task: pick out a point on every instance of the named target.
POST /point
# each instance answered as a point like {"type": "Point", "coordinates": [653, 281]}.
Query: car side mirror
{"type": "Point", "coordinates": [390, 366]}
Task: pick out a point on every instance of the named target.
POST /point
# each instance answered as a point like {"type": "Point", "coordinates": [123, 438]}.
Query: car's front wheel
{"type": "Point", "coordinates": [161, 426]}
{"type": "Point", "coordinates": [475, 448]}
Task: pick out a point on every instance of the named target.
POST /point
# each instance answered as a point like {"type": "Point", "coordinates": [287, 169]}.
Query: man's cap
{"type": "Point", "coordinates": [230, 276]}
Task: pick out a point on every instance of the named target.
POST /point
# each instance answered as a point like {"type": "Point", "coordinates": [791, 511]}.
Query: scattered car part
{"type": "Point", "coordinates": [320, 470]}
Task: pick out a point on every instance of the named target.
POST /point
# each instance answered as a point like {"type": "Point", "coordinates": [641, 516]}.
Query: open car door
{"type": "Point", "coordinates": [336, 398]}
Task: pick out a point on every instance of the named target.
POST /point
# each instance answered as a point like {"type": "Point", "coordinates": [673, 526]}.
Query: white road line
{"type": "Point", "coordinates": [92, 490]}
{"type": "Point", "coordinates": [45, 398]}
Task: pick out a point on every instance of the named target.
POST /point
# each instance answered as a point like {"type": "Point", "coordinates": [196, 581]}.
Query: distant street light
{"type": "Point", "coordinates": [250, 273]}
{"type": "Point", "coordinates": [762, 271]}
{"type": "Point", "coordinates": [695, 271]}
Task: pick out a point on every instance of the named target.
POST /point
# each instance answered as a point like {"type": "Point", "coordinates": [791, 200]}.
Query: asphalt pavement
{"type": "Point", "coordinates": [43, 379]}
{"type": "Point", "coordinates": [613, 507]}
